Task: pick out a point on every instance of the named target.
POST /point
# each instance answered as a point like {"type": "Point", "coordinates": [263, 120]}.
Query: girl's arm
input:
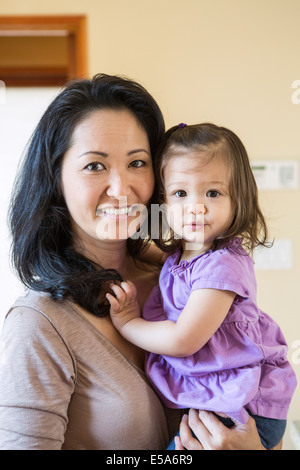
{"type": "Point", "coordinates": [198, 321]}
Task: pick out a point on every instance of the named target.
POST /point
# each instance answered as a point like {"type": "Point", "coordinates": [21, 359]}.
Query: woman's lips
{"type": "Point", "coordinates": [116, 211]}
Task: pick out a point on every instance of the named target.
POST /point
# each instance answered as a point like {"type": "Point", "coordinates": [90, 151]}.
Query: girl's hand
{"type": "Point", "coordinates": [124, 307]}
{"type": "Point", "coordinates": [211, 434]}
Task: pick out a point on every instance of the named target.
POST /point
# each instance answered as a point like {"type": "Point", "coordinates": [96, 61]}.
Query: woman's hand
{"type": "Point", "coordinates": [124, 306]}
{"type": "Point", "coordinates": [213, 435]}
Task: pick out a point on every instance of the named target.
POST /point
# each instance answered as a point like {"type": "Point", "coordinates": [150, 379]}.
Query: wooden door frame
{"type": "Point", "coordinates": [73, 26]}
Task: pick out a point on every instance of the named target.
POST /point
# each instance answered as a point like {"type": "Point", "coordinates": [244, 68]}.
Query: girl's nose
{"type": "Point", "coordinates": [196, 209]}
{"type": "Point", "coordinates": [118, 185]}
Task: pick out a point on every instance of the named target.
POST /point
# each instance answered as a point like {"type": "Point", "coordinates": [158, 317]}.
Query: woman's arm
{"type": "Point", "coordinates": [198, 321]}
{"type": "Point", "coordinates": [36, 383]}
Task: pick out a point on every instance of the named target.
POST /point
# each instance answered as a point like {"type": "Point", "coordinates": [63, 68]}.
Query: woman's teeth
{"type": "Point", "coordinates": [114, 211]}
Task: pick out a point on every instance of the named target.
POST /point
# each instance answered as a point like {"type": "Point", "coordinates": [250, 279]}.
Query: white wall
{"type": "Point", "coordinates": [19, 115]}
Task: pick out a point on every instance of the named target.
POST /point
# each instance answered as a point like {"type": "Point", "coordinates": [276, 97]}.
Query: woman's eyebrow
{"type": "Point", "coordinates": [132, 152]}
{"type": "Point", "coordinates": [104, 154]}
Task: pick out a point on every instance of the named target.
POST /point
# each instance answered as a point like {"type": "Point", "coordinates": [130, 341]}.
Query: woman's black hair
{"type": "Point", "coordinates": [42, 239]}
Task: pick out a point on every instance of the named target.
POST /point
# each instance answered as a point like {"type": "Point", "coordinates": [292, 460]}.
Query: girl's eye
{"type": "Point", "coordinates": [137, 163]}
{"type": "Point", "coordinates": [213, 193]}
{"type": "Point", "coordinates": [94, 166]}
{"type": "Point", "coordinates": [180, 193]}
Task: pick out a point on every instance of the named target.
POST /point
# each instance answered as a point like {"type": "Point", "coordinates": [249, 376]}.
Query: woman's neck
{"type": "Point", "coordinates": [108, 254]}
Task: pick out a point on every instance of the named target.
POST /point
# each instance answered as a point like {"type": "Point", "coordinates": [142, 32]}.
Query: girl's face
{"type": "Point", "coordinates": [105, 174]}
{"type": "Point", "coordinates": [197, 197]}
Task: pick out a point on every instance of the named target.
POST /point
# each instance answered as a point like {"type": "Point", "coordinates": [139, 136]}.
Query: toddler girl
{"type": "Point", "coordinates": [210, 346]}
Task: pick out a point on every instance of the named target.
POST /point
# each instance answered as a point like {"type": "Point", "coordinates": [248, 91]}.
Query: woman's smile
{"type": "Point", "coordinates": [117, 212]}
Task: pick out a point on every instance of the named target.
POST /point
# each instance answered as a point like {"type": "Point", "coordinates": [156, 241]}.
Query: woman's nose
{"type": "Point", "coordinates": [118, 185]}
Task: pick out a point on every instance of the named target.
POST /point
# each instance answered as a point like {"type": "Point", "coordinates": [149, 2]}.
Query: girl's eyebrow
{"type": "Point", "coordinates": [222, 183]}
{"type": "Point", "coordinates": [104, 154]}
{"type": "Point", "coordinates": [176, 183]}
{"type": "Point", "coordinates": [206, 183]}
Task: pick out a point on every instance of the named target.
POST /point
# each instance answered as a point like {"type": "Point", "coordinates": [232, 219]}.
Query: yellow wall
{"type": "Point", "coordinates": [231, 62]}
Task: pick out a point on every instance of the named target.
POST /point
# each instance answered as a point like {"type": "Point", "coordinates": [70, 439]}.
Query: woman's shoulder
{"type": "Point", "coordinates": [36, 326]}
{"type": "Point", "coordinates": [41, 302]}
{"type": "Point", "coordinates": [40, 314]}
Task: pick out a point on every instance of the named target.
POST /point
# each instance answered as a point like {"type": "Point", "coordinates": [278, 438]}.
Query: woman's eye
{"type": "Point", "coordinates": [180, 193]}
{"type": "Point", "coordinates": [213, 193]}
{"type": "Point", "coordinates": [137, 163]}
{"type": "Point", "coordinates": [94, 166]}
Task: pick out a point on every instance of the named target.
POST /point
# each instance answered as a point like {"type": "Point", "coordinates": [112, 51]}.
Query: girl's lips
{"type": "Point", "coordinates": [195, 226]}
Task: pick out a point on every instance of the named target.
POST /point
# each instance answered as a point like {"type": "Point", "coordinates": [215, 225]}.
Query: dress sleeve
{"type": "Point", "coordinates": [37, 376]}
{"type": "Point", "coordinates": [223, 270]}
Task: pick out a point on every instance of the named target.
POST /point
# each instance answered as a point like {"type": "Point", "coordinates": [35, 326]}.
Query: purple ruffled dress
{"type": "Point", "coordinates": [244, 364]}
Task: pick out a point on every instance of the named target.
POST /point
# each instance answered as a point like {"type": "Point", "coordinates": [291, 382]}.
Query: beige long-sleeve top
{"type": "Point", "coordinates": [63, 385]}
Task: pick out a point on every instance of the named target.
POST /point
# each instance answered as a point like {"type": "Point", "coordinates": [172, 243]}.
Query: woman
{"type": "Point", "coordinates": [68, 379]}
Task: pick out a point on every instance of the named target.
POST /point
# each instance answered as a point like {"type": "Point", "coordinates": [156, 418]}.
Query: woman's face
{"type": "Point", "coordinates": [106, 173]}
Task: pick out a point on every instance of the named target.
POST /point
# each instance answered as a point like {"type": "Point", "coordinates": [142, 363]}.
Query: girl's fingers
{"type": "Point", "coordinates": [129, 289]}
{"type": "Point", "coordinates": [119, 293]}
{"type": "Point", "coordinates": [114, 304]}
{"type": "Point", "coordinates": [124, 294]}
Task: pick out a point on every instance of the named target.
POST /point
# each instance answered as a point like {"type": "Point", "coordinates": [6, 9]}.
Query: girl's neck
{"type": "Point", "coordinates": [191, 250]}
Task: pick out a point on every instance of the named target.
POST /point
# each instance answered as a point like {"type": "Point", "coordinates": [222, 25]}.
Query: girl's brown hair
{"type": "Point", "coordinates": [248, 221]}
